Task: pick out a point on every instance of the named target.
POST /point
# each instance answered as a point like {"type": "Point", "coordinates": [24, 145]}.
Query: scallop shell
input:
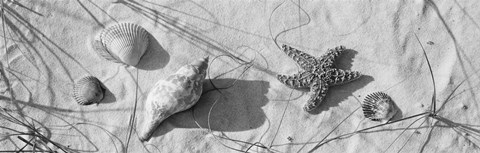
{"type": "Point", "coordinates": [177, 93]}
{"type": "Point", "coordinates": [379, 106]}
{"type": "Point", "coordinates": [88, 90]}
{"type": "Point", "coordinates": [122, 43]}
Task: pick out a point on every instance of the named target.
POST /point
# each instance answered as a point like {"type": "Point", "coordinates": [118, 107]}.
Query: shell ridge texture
{"type": "Point", "coordinates": [379, 106]}
{"type": "Point", "coordinates": [88, 90]}
{"type": "Point", "coordinates": [127, 41]}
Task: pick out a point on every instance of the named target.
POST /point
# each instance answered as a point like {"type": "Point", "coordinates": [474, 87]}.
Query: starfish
{"type": "Point", "coordinates": [318, 74]}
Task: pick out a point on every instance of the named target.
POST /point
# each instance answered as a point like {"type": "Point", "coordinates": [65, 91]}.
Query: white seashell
{"type": "Point", "coordinates": [122, 43]}
{"type": "Point", "coordinates": [177, 93]}
{"type": "Point", "coordinates": [88, 90]}
{"type": "Point", "coordinates": [379, 106]}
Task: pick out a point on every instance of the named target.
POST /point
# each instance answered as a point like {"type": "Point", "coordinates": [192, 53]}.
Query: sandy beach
{"type": "Point", "coordinates": [46, 46]}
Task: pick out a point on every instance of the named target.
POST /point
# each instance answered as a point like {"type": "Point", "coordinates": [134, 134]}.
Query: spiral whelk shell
{"type": "Point", "coordinates": [122, 43]}
{"type": "Point", "coordinates": [88, 90]}
{"type": "Point", "coordinates": [379, 106]}
{"type": "Point", "coordinates": [177, 93]}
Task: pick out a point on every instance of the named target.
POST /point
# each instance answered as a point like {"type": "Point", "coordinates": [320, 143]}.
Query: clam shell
{"type": "Point", "coordinates": [379, 106]}
{"type": "Point", "coordinates": [177, 93]}
{"type": "Point", "coordinates": [122, 43]}
{"type": "Point", "coordinates": [88, 90]}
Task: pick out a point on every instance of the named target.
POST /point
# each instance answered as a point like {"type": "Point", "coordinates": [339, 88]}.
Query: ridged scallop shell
{"type": "Point", "coordinates": [88, 90]}
{"type": "Point", "coordinates": [122, 43]}
{"type": "Point", "coordinates": [176, 93]}
{"type": "Point", "coordinates": [379, 106]}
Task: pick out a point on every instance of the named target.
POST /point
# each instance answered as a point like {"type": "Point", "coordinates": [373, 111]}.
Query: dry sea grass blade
{"type": "Point", "coordinates": [123, 43]}
{"type": "Point", "coordinates": [88, 90]}
{"type": "Point", "coordinates": [177, 93]}
{"type": "Point", "coordinates": [379, 106]}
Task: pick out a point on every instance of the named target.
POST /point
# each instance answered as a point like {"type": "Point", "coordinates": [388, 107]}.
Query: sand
{"type": "Point", "coordinates": [47, 47]}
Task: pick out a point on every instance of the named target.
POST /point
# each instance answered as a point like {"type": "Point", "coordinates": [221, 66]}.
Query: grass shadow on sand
{"type": "Point", "coordinates": [433, 117]}
{"type": "Point", "coordinates": [35, 46]}
{"type": "Point", "coordinates": [189, 32]}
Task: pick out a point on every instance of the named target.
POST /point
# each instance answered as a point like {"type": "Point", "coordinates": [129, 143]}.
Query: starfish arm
{"type": "Point", "coordinates": [305, 60]}
{"type": "Point", "coordinates": [328, 59]}
{"type": "Point", "coordinates": [339, 76]}
{"type": "Point", "coordinates": [299, 80]}
{"type": "Point", "coordinates": [318, 91]}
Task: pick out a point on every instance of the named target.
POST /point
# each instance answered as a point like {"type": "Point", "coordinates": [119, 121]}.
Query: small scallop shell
{"type": "Point", "coordinates": [379, 106]}
{"type": "Point", "coordinates": [88, 90]}
{"type": "Point", "coordinates": [122, 43]}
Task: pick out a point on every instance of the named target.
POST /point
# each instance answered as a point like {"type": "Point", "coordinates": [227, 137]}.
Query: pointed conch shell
{"type": "Point", "coordinates": [379, 106]}
{"type": "Point", "coordinates": [88, 90]}
{"type": "Point", "coordinates": [122, 43]}
{"type": "Point", "coordinates": [177, 93]}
